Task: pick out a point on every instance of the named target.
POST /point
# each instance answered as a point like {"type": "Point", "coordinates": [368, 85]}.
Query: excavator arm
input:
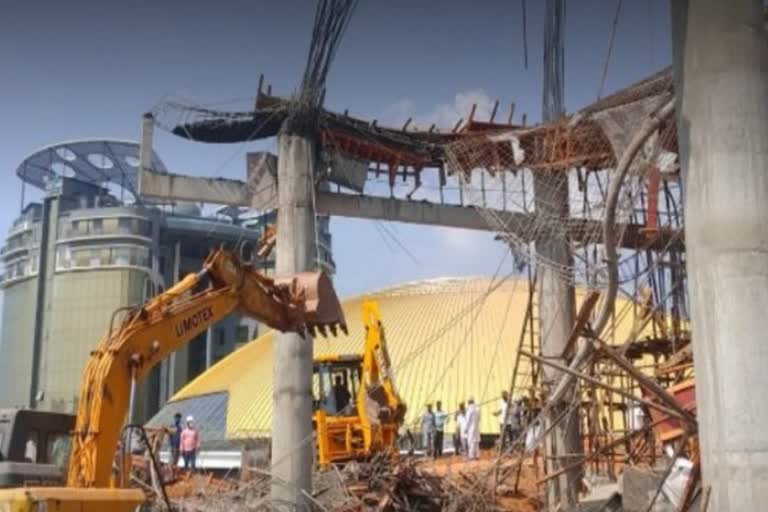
{"type": "Point", "coordinates": [377, 366]}
{"type": "Point", "coordinates": [379, 381]}
{"type": "Point", "coordinates": [148, 334]}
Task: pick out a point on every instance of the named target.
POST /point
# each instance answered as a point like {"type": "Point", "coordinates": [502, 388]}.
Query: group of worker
{"type": "Point", "coordinates": [466, 437]}
{"type": "Point", "coordinates": [184, 440]}
{"type": "Point", "coordinates": [512, 416]}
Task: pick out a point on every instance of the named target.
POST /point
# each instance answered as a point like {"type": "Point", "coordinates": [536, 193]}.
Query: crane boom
{"type": "Point", "coordinates": [150, 333]}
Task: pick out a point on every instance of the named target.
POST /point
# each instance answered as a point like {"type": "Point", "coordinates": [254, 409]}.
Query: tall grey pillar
{"type": "Point", "coordinates": [556, 318]}
{"type": "Point", "coordinates": [555, 290]}
{"type": "Point", "coordinates": [145, 147]}
{"type": "Point", "coordinates": [292, 441]}
{"type": "Point", "coordinates": [208, 348]}
{"type": "Point", "coordinates": [721, 72]}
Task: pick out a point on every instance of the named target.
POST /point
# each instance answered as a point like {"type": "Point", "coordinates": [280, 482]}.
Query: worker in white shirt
{"type": "Point", "coordinates": [503, 413]}
{"type": "Point", "coordinates": [473, 430]}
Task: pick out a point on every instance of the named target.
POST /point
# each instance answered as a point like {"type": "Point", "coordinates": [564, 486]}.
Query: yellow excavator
{"type": "Point", "coordinates": [357, 410]}
{"type": "Point", "coordinates": [144, 337]}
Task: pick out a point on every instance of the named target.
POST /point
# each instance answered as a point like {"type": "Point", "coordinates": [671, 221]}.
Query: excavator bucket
{"type": "Point", "coordinates": [315, 292]}
{"type": "Point", "coordinates": [301, 302]}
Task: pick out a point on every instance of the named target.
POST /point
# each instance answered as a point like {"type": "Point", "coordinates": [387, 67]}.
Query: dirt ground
{"type": "Point", "coordinates": [525, 500]}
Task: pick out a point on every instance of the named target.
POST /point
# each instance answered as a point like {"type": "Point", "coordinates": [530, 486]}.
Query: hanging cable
{"type": "Point", "coordinates": [387, 230]}
{"type": "Point", "coordinates": [525, 35]}
{"type": "Point", "coordinates": [331, 20]}
{"type": "Point", "coordinates": [610, 49]}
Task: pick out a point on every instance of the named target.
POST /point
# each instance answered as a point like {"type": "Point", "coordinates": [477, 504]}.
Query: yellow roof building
{"type": "Point", "coordinates": [449, 339]}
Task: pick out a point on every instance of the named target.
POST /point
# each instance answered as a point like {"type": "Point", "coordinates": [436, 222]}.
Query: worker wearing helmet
{"type": "Point", "coordinates": [190, 444]}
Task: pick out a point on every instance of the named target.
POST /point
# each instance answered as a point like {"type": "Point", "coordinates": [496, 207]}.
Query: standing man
{"type": "Point", "coordinates": [460, 435]}
{"type": "Point", "coordinates": [473, 430]}
{"type": "Point", "coordinates": [174, 439]}
{"type": "Point", "coordinates": [428, 429]}
{"type": "Point", "coordinates": [503, 414]}
{"type": "Point", "coordinates": [341, 395]}
{"type": "Point", "coordinates": [190, 444]}
{"type": "Point", "coordinates": [524, 412]}
{"type": "Point", "coordinates": [515, 422]}
{"type": "Point", "coordinates": [441, 417]}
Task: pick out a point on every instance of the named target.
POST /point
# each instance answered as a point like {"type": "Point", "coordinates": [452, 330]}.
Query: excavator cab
{"type": "Point", "coordinates": [34, 447]}
{"type": "Point", "coordinates": [336, 383]}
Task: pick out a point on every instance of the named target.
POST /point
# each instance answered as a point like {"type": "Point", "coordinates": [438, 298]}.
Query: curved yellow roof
{"type": "Point", "coordinates": [449, 339]}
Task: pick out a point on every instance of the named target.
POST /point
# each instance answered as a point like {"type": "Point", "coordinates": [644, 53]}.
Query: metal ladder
{"type": "Point", "coordinates": [525, 372]}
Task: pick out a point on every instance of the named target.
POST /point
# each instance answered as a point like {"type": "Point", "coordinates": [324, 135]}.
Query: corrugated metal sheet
{"type": "Point", "coordinates": [449, 339]}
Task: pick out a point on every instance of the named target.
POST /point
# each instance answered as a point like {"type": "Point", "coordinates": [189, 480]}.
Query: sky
{"type": "Point", "coordinates": [80, 69]}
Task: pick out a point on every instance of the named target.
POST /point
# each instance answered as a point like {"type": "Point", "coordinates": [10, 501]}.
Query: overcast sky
{"type": "Point", "coordinates": [80, 69]}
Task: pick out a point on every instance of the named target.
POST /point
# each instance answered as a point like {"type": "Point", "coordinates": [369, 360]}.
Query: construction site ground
{"type": "Point", "coordinates": [415, 483]}
{"type": "Point", "coordinates": [525, 500]}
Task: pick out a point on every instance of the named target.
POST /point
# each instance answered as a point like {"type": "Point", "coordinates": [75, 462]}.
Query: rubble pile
{"type": "Point", "coordinates": [373, 486]}
{"type": "Point", "coordinates": [378, 486]}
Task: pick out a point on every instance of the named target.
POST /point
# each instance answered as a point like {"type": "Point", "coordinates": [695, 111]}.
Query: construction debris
{"type": "Point", "coordinates": [407, 487]}
{"type": "Point", "coordinates": [451, 484]}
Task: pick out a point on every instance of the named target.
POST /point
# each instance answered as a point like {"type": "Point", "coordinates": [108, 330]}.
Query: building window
{"type": "Point", "coordinates": [105, 226]}
{"type": "Point", "coordinates": [242, 334]}
{"type": "Point", "coordinates": [111, 226]}
{"type": "Point", "coordinates": [19, 268]}
{"type": "Point", "coordinates": [63, 258]}
{"type": "Point", "coordinates": [20, 240]}
{"type": "Point", "coordinates": [221, 336]}
{"type": "Point", "coordinates": [121, 256]}
{"type": "Point", "coordinates": [81, 258]}
{"type": "Point", "coordinates": [101, 256]}
{"type": "Point", "coordinates": [97, 227]}
{"type": "Point", "coordinates": [124, 226]}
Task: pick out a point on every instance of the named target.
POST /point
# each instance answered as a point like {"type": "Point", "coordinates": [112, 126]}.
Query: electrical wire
{"type": "Point", "coordinates": [387, 230]}
{"type": "Point", "coordinates": [610, 49]}
{"type": "Point", "coordinates": [525, 34]}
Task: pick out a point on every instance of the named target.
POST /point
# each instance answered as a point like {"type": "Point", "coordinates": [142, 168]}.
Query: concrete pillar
{"type": "Point", "coordinates": [145, 147]}
{"type": "Point", "coordinates": [556, 318]}
{"type": "Point", "coordinates": [721, 72]}
{"type": "Point", "coordinates": [292, 441]}
{"type": "Point", "coordinates": [172, 358]}
{"type": "Point", "coordinates": [46, 268]}
{"type": "Point", "coordinates": [208, 348]}
{"type": "Point", "coordinates": [555, 292]}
